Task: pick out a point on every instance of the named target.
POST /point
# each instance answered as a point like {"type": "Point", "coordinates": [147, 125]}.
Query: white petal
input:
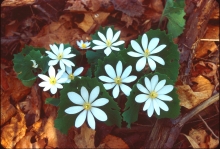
{"type": "Point", "coordinates": [154, 81]}
{"type": "Point", "coordinates": [91, 120]}
{"type": "Point", "coordinates": [99, 47]}
{"type": "Point", "coordinates": [125, 89]}
{"type": "Point", "coordinates": [147, 104]}
{"type": "Point", "coordinates": [150, 110]}
{"type": "Point", "coordinates": [109, 34]}
{"type": "Point", "coordinates": [141, 98]}
{"type": "Point", "coordinates": [162, 105]}
{"type": "Point", "coordinates": [54, 48]}
{"type": "Point", "coordinates": [100, 102]}
{"type": "Point", "coordinates": [99, 43]}
{"type": "Point", "coordinates": [51, 71]}
{"type": "Point", "coordinates": [44, 84]}
{"type": "Point", "coordinates": [156, 106]}
{"type": "Point", "coordinates": [59, 74]}
{"type": "Point", "coordinates": [119, 68]}
{"type": "Point", "coordinates": [116, 36]}
{"type": "Point", "coordinates": [109, 86]}
{"type": "Point", "coordinates": [142, 88]}
{"type": "Point", "coordinates": [51, 55]}
{"type": "Point", "coordinates": [158, 49]}
{"type": "Point", "coordinates": [78, 43]}
{"type": "Point", "coordinates": [59, 86]}
{"type": "Point", "coordinates": [129, 79]}
{"type": "Point", "coordinates": [134, 54]}
{"type": "Point", "coordinates": [84, 93]}
{"type": "Point", "coordinates": [69, 55]}
{"type": "Point", "coordinates": [44, 77]}
{"type": "Point", "coordinates": [160, 85]}
{"type": "Point", "coordinates": [158, 59]}
{"type": "Point", "coordinates": [107, 51]}
{"type": "Point", "coordinates": [115, 49]}
{"type": "Point", "coordinates": [74, 109]}
{"type": "Point", "coordinates": [152, 64]}
{"type": "Point", "coordinates": [67, 51]}
{"type": "Point", "coordinates": [75, 98]}
{"type": "Point", "coordinates": [136, 46]}
{"type": "Point", "coordinates": [53, 62]}
{"type": "Point", "coordinates": [166, 89]}
{"type": "Point", "coordinates": [165, 97]}
{"type": "Point", "coordinates": [106, 79]}
{"type": "Point", "coordinates": [144, 41]}
{"type": "Point", "coordinates": [80, 119]}
{"type": "Point", "coordinates": [53, 89]}
{"type": "Point", "coordinates": [99, 114]}
{"type": "Point", "coordinates": [61, 48]}
{"type": "Point", "coordinates": [126, 72]}
{"type": "Point", "coordinates": [78, 71]}
{"type": "Point", "coordinates": [62, 66]}
{"type": "Point", "coordinates": [147, 84]}
{"type": "Point", "coordinates": [69, 70]}
{"type": "Point", "coordinates": [110, 71]}
{"type": "Point", "coordinates": [47, 87]}
{"type": "Point", "coordinates": [141, 63]}
{"type": "Point", "coordinates": [62, 80]}
{"type": "Point", "coordinates": [153, 43]}
{"type": "Point", "coordinates": [94, 94]}
{"type": "Point", "coordinates": [102, 37]}
{"type": "Point", "coordinates": [118, 43]}
{"type": "Point", "coordinates": [67, 62]}
{"type": "Point", "coordinates": [115, 91]}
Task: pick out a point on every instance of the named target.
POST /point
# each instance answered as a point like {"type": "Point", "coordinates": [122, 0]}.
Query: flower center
{"type": "Point", "coordinates": [87, 106]}
{"type": "Point", "coordinates": [108, 43]}
{"type": "Point", "coordinates": [71, 76]}
{"type": "Point", "coordinates": [60, 56]}
{"type": "Point", "coordinates": [53, 80]}
{"type": "Point", "coordinates": [84, 46]}
{"type": "Point", "coordinates": [153, 94]}
{"type": "Point", "coordinates": [146, 53]}
{"type": "Point", "coordinates": [117, 80]}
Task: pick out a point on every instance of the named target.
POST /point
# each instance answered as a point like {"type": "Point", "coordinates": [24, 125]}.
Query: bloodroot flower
{"type": "Point", "coordinates": [146, 52]}
{"type": "Point", "coordinates": [87, 106]}
{"type": "Point", "coordinates": [83, 45]}
{"type": "Point", "coordinates": [108, 42]}
{"type": "Point", "coordinates": [154, 95]}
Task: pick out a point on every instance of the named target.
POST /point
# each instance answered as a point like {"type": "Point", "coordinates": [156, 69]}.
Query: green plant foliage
{"type": "Point", "coordinates": [170, 54]}
{"type": "Point", "coordinates": [23, 64]}
{"type": "Point", "coordinates": [132, 107]}
{"type": "Point", "coordinates": [52, 101]}
{"type": "Point", "coordinates": [174, 12]}
{"type": "Point", "coordinates": [64, 121]}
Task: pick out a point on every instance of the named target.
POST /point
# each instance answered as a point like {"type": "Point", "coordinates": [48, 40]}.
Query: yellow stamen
{"type": "Point", "coordinates": [87, 106]}
{"type": "Point", "coordinates": [153, 95]}
{"type": "Point", "coordinates": [108, 43]}
{"type": "Point", "coordinates": [146, 53]}
{"type": "Point", "coordinates": [53, 80]}
{"type": "Point", "coordinates": [71, 76]}
{"type": "Point", "coordinates": [60, 56]}
{"type": "Point", "coordinates": [117, 80]}
{"type": "Point", "coordinates": [84, 46]}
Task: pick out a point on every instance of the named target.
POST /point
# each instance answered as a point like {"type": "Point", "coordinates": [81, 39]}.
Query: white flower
{"type": "Point", "coordinates": [87, 106]}
{"type": "Point", "coordinates": [60, 55]}
{"type": "Point", "coordinates": [117, 79]}
{"type": "Point", "coordinates": [53, 81]}
{"type": "Point", "coordinates": [154, 92]}
{"type": "Point", "coordinates": [83, 45]}
{"type": "Point", "coordinates": [70, 75]}
{"type": "Point", "coordinates": [108, 42]}
{"type": "Point", "coordinates": [35, 65]}
{"type": "Point", "coordinates": [146, 52]}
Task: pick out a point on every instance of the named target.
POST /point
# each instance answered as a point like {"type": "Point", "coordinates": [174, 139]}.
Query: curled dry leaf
{"type": "Point", "coordinates": [212, 143]}
{"type": "Point", "coordinates": [191, 141]}
{"type": "Point", "coordinates": [198, 135]}
{"type": "Point", "coordinates": [87, 23]}
{"type": "Point", "coordinates": [190, 98]}
{"type": "Point", "coordinates": [13, 132]}
{"type": "Point", "coordinates": [15, 3]}
{"type": "Point", "coordinates": [111, 141]}
{"type": "Point", "coordinates": [85, 139]}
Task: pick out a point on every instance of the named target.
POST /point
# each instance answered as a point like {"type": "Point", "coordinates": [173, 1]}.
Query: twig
{"type": "Point", "coordinates": [209, 39]}
{"type": "Point", "coordinates": [208, 127]}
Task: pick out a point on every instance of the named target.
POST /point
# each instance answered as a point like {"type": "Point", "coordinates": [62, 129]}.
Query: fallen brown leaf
{"type": "Point", "coordinates": [15, 3]}
{"type": "Point", "coordinates": [114, 142]}
{"type": "Point", "coordinates": [198, 135]}
{"type": "Point", "coordinates": [191, 141]}
{"type": "Point", "coordinates": [212, 143]}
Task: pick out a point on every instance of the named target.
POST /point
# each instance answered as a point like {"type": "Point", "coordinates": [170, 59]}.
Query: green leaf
{"type": "Point", "coordinates": [174, 12]}
{"type": "Point", "coordinates": [52, 101]}
{"type": "Point", "coordinates": [23, 64]}
{"type": "Point", "coordinates": [64, 121]}
{"type": "Point", "coordinates": [169, 54]}
{"type": "Point", "coordinates": [132, 107]}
